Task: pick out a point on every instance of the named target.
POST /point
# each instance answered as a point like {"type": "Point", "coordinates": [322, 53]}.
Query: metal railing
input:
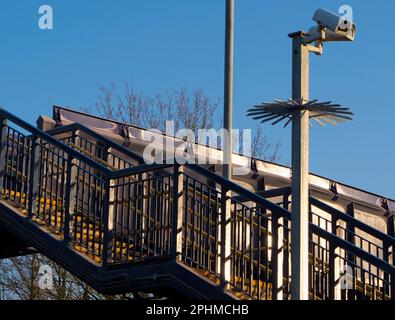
{"type": "Point", "coordinates": [249, 233]}
{"type": "Point", "coordinates": [361, 267]}
{"type": "Point", "coordinates": [100, 199]}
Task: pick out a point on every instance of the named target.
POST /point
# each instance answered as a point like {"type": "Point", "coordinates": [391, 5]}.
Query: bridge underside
{"type": "Point", "coordinates": [12, 247]}
{"type": "Point", "coordinates": [163, 277]}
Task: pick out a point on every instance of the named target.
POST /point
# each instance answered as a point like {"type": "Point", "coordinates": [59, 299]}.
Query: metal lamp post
{"type": "Point", "coordinates": [301, 111]}
{"type": "Point", "coordinates": [225, 233]}
{"type": "Point", "coordinates": [228, 90]}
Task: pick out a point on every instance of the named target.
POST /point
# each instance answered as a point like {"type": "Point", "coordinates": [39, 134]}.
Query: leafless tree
{"type": "Point", "coordinates": [20, 278]}
{"type": "Point", "coordinates": [193, 110]}
{"type": "Point", "coordinates": [188, 110]}
{"type": "Point", "coordinates": [261, 148]}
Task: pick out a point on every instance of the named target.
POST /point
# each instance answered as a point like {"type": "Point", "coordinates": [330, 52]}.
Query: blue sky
{"type": "Point", "coordinates": [159, 44]}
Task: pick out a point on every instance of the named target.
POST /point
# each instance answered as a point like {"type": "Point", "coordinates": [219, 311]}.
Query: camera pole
{"type": "Point", "coordinates": [299, 110]}
{"type": "Point", "coordinates": [300, 170]}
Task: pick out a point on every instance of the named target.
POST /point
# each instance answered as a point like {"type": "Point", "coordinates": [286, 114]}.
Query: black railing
{"type": "Point", "coordinates": [102, 200]}
{"type": "Point", "coordinates": [200, 221]}
{"type": "Point", "coordinates": [252, 236]}
{"type": "Point", "coordinates": [366, 268]}
{"type": "Point", "coordinates": [141, 207]}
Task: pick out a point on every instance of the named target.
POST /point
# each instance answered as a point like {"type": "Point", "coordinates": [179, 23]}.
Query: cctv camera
{"type": "Point", "coordinates": [338, 28]}
{"type": "Point", "coordinates": [315, 34]}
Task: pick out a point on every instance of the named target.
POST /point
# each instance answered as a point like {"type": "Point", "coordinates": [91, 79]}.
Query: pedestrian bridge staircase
{"type": "Point", "coordinates": [121, 226]}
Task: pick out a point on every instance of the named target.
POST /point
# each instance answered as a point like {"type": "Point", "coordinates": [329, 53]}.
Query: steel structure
{"type": "Point", "coordinates": [92, 206]}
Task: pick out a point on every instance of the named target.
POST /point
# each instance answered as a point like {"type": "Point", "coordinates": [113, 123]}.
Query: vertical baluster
{"type": "Point", "coordinates": [136, 186]}
{"type": "Point", "coordinates": [161, 213]}
{"type": "Point", "coordinates": [286, 273]}
{"type": "Point", "coordinates": [151, 199]}
{"type": "Point", "coordinates": [243, 247]}
{"type": "Point", "coordinates": [225, 236]}
{"type": "Point", "coordinates": [178, 213]}
{"type": "Point", "coordinates": [130, 214]}
{"type": "Point", "coordinates": [153, 213]}
{"type": "Point", "coordinates": [251, 251]}
{"type": "Point", "coordinates": [58, 216]}
{"type": "Point", "coordinates": [141, 196]}
{"type": "Point", "coordinates": [3, 153]}
{"type": "Point", "coordinates": [90, 227]}
{"type": "Point", "coordinates": [14, 169]}
{"type": "Point", "coordinates": [332, 267]}
{"type": "Point", "coordinates": [238, 257]}
{"type": "Point", "coordinates": [201, 216]}
{"type": "Point", "coordinates": [186, 207]}
{"type": "Point", "coordinates": [26, 160]}
{"type": "Point", "coordinates": [122, 217]}
{"type": "Point", "coordinates": [193, 220]}
{"type": "Point", "coordinates": [68, 205]}
{"type": "Point", "coordinates": [18, 171]}
{"type": "Point", "coordinates": [350, 237]}
{"type": "Point", "coordinates": [274, 258]}
{"type": "Point", "coordinates": [106, 224]}
{"type": "Point", "coordinates": [51, 159]}
{"type": "Point", "coordinates": [390, 278]}
{"type": "Point", "coordinates": [216, 234]}
{"type": "Point", "coordinates": [208, 230]}
{"type": "Point", "coordinates": [33, 175]}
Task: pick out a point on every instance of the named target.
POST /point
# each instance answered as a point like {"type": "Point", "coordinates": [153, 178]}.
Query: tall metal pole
{"type": "Point", "coordinates": [228, 90]}
{"type": "Point", "coordinates": [227, 150]}
{"type": "Point", "coordinates": [300, 171]}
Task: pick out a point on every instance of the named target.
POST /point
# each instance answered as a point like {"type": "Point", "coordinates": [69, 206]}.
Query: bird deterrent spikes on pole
{"type": "Point", "coordinates": [279, 111]}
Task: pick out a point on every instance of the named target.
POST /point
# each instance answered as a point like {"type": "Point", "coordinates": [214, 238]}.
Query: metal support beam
{"type": "Point", "coordinates": [390, 258]}
{"type": "Point", "coordinates": [350, 237]}
{"type": "Point", "coordinates": [112, 196]}
{"type": "Point", "coordinates": [277, 256]}
{"type": "Point", "coordinates": [178, 210]}
{"type": "Point", "coordinates": [227, 150]}
{"type": "Point", "coordinates": [71, 190]}
{"type": "Point", "coordinates": [228, 90]}
{"type": "Point", "coordinates": [300, 171]}
{"type": "Point", "coordinates": [334, 274]}
{"type": "Point", "coordinates": [225, 237]}
{"type": "Point", "coordinates": [286, 251]}
{"type": "Point", "coordinates": [34, 168]}
{"type": "Point", "coordinates": [106, 222]}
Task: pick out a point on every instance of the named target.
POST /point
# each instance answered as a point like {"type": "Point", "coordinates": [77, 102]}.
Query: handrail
{"type": "Point", "coordinates": [271, 193]}
{"type": "Point", "coordinates": [354, 222]}
{"type": "Point", "coordinates": [130, 171]}
{"type": "Point", "coordinates": [37, 132]}
{"type": "Point", "coordinates": [231, 186]}
{"type": "Point", "coordinates": [352, 248]}
{"type": "Point", "coordinates": [138, 170]}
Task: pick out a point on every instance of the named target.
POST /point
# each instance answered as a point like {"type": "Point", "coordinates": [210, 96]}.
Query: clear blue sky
{"type": "Point", "coordinates": [159, 44]}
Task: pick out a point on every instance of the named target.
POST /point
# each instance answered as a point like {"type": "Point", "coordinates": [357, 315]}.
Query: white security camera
{"type": "Point", "coordinates": [337, 28]}
{"type": "Point", "coordinates": [315, 33]}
